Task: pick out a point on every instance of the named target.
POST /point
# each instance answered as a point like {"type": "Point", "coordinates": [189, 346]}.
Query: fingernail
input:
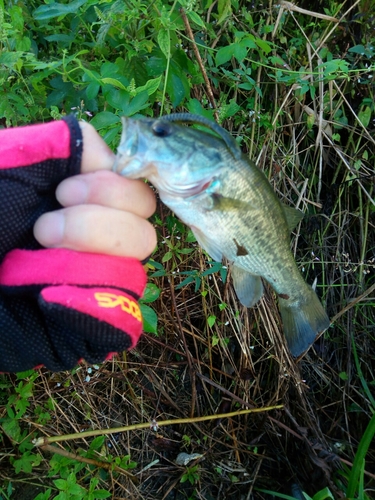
{"type": "Point", "coordinates": [72, 191]}
{"type": "Point", "coordinates": [49, 229]}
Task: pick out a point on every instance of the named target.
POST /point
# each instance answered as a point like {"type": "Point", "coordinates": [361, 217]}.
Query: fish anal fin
{"type": "Point", "coordinates": [248, 287]}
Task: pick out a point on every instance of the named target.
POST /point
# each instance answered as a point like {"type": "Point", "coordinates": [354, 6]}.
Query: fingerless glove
{"type": "Point", "coordinates": [57, 306]}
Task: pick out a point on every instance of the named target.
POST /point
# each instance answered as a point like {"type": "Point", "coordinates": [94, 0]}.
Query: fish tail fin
{"type": "Point", "coordinates": [303, 321]}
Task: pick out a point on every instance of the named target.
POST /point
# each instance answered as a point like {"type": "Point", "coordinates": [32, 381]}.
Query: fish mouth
{"type": "Point", "coordinates": [185, 190]}
{"type": "Point", "coordinates": [127, 149]}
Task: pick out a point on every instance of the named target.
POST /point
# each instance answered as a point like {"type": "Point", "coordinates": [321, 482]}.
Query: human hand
{"type": "Point", "coordinates": [104, 213]}
{"type": "Point", "coordinates": [71, 300]}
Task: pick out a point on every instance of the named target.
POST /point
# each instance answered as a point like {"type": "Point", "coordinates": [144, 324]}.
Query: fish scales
{"type": "Point", "coordinates": [231, 208]}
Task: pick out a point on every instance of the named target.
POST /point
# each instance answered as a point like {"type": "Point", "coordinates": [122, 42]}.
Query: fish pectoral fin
{"type": "Point", "coordinates": [292, 215]}
{"type": "Point", "coordinates": [210, 245]}
{"type": "Point", "coordinates": [227, 204]}
{"type": "Point", "coordinates": [248, 287]}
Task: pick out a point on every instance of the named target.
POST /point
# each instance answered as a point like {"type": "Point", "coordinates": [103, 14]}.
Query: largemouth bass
{"type": "Point", "coordinates": [231, 208]}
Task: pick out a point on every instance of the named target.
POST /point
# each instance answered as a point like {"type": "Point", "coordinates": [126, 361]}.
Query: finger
{"type": "Point", "coordinates": [96, 155]}
{"type": "Point", "coordinates": [90, 228]}
{"type": "Point", "coordinates": [107, 189]}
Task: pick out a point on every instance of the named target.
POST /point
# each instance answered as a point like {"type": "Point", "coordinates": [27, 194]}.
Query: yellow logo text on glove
{"type": "Point", "coordinates": [110, 300]}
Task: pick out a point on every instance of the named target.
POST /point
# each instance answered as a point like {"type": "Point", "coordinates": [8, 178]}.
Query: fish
{"type": "Point", "coordinates": [202, 175]}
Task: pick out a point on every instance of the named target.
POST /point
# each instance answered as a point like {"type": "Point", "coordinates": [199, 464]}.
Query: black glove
{"type": "Point", "coordinates": [57, 306]}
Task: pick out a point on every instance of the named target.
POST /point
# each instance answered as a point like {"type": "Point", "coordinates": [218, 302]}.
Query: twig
{"type": "Point", "coordinates": [188, 356]}
{"type": "Point", "coordinates": [42, 441]}
{"type": "Point", "coordinates": [90, 461]}
{"type": "Point", "coordinates": [291, 7]}
{"type": "Point", "coordinates": [353, 303]}
{"type": "Point", "coordinates": [225, 391]}
{"type": "Point", "coordinates": [200, 62]}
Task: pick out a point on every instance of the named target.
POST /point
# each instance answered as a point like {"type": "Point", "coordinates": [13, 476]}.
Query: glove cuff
{"type": "Point", "coordinates": [59, 266]}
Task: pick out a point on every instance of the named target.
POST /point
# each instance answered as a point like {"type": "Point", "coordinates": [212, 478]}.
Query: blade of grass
{"type": "Point", "coordinates": [361, 377]}
{"type": "Point", "coordinates": [359, 458]}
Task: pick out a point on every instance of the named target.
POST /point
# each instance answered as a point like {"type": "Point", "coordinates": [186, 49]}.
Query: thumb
{"type": "Point", "coordinates": [96, 155]}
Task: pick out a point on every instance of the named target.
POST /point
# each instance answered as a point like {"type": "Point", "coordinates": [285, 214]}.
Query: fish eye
{"type": "Point", "coordinates": [161, 129]}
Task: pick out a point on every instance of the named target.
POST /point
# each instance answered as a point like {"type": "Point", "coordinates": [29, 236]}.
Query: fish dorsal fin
{"type": "Point", "coordinates": [292, 215]}
{"type": "Point", "coordinates": [201, 120]}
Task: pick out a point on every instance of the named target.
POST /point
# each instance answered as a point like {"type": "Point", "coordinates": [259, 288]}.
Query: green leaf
{"type": "Point", "coordinates": [151, 293]}
{"type": "Point", "coordinates": [135, 68]}
{"type": "Point", "coordinates": [246, 86]}
{"type": "Point", "coordinates": [51, 10]}
{"type": "Point", "coordinates": [17, 17]}
{"type": "Point", "coordinates": [365, 116]}
{"type": "Point", "coordinates": [280, 495]}
{"type": "Point", "coordinates": [262, 44]}
{"type": "Point", "coordinates": [186, 251]}
{"type": "Point", "coordinates": [323, 494]}
{"type": "Point", "coordinates": [363, 448]}
{"type": "Point", "coordinates": [109, 69]}
{"type": "Point", "coordinates": [195, 107]}
{"type": "Point", "coordinates": [277, 61]}
{"type": "Point", "coordinates": [164, 42]}
{"type": "Point", "coordinates": [211, 320]}
{"type": "Point", "coordinates": [76, 489]}
{"type": "Point", "coordinates": [150, 87]}
{"type": "Point", "coordinates": [358, 49]}
{"type": "Point", "coordinates": [101, 494]}
{"type": "Point", "coordinates": [25, 390]}
{"type": "Point", "coordinates": [224, 9]}
{"type": "Point", "coordinates": [139, 102]}
{"type": "Point", "coordinates": [10, 59]}
{"type": "Point", "coordinates": [92, 90]}
{"type": "Point", "coordinates": [118, 99]}
{"type": "Point", "coordinates": [45, 495]}
{"type": "Point", "coordinates": [60, 38]}
{"type": "Point", "coordinates": [229, 109]}
{"type": "Point", "coordinates": [97, 443]}
{"type": "Point", "coordinates": [60, 484]}
{"type": "Point", "coordinates": [104, 119]}
{"type": "Point", "coordinates": [198, 282]}
{"type": "Point", "coordinates": [177, 87]}
{"type": "Point", "coordinates": [23, 44]}
{"type": "Point", "coordinates": [112, 134]}
{"type": "Point", "coordinates": [225, 54]}
{"type": "Point", "coordinates": [113, 81]}
{"type": "Point", "coordinates": [21, 406]}
{"type": "Point", "coordinates": [193, 16]}
{"type": "Point", "coordinates": [27, 462]}
{"type": "Point", "coordinates": [150, 319]}
{"type": "Point", "coordinates": [186, 281]}
{"type": "Point", "coordinates": [12, 429]}
{"type": "Point", "coordinates": [167, 256]}
{"type": "Point", "coordinates": [240, 51]}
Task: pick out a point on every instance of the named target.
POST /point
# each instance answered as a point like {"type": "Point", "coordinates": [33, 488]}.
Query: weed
{"type": "Point", "coordinates": [191, 475]}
